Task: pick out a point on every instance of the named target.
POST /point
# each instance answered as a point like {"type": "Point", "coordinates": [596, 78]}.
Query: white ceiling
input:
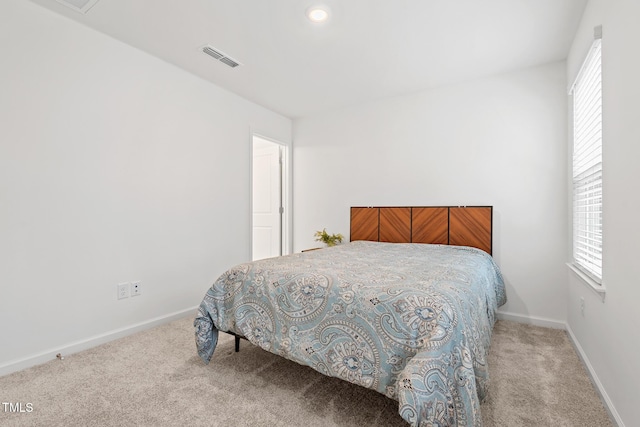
{"type": "Point", "coordinates": [369, 49]}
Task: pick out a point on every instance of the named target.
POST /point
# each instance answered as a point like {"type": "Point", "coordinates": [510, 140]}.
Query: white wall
{"type": "Point", "coordinates": [114, 166]}
{"type": "Point", "coordinates": [608, 334]}
{"type": "Point", "coordinates": [497, 141]}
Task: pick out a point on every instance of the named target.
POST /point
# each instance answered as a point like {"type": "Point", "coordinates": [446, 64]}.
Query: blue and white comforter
{"type": "Point", "coordinates": [411, 321]}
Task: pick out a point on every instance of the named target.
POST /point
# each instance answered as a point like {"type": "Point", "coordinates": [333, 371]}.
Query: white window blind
{"type": "Point", "coordinates": [587, 165]}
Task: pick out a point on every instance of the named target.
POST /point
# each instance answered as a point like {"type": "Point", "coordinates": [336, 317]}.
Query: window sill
{"type": "Point", "coordinates": [601, 290]}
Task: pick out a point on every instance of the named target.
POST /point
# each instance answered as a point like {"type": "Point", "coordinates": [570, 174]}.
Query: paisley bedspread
{"type": "Point", "coordinates": [412, 321]}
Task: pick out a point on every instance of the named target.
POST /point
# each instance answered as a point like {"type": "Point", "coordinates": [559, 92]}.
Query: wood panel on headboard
{"type": "Point", "coordinates": [430, 225]}
{"type": "Point", "coordinates": [445, 225]}
{"type": "Point", "coordinates": [364, 224]}
{"type": "Point", "coordinates": [470, 227]}
{"type": "Point", "coordinates": [395, 225]}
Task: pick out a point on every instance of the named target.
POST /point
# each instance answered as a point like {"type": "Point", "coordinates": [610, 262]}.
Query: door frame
{"type": "Point", "coordinates": [286, 227]}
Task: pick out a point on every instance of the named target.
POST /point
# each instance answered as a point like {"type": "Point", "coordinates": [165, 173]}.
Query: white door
{"type": "Point", "coordinates": [267, 199]}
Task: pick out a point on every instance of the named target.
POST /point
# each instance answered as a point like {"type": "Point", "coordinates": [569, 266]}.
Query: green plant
{"type": "Point", "coordinates": [328, 239]}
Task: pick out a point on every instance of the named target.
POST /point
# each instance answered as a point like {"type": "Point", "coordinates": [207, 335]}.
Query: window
{"type": "Point", "coordinates": [587, 165]}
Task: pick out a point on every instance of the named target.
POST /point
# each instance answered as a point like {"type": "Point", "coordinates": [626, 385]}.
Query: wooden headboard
{"type": "Point", "coordinates": [445, 225]}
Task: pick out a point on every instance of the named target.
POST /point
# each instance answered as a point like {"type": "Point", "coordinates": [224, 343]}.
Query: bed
{"type": "Point", "coordinates": [410, 320]}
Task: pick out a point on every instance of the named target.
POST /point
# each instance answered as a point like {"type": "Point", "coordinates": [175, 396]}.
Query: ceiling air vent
{"type": "Point", "coordinates": [81, 6]}
{"type": "Point", "coordinates": [220, 56]}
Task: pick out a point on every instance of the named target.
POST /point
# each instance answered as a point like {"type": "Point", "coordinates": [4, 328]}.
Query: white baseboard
{"type": "Point", "coordinates": [46, 356]}
{"type": "Point", "coordinates": [613, 414]}
{"type": "Point", "coordinates": [529, 320]}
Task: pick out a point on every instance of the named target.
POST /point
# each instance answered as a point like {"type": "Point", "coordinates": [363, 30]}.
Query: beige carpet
{"type": "Point", "coordinates": [155, 378]}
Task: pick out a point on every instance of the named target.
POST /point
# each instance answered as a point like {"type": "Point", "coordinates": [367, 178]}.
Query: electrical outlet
{"type": "Point", "coordinates": [123, 290]}
{"type": "Point", "coordinates": [136, 288]}
{"type": "Point", "coordinates": [582, 305]}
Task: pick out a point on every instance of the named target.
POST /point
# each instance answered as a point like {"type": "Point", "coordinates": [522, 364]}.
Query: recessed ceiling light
{"type": "Point", "coordinates": [317, 14]}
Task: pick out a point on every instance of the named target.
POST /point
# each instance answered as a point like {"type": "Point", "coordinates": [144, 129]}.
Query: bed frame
{"type": "Point", "coordinates": [444, 225]}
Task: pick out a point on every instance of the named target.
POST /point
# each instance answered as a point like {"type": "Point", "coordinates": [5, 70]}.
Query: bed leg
{"type": "Point", "coordinates": [237, 343]}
